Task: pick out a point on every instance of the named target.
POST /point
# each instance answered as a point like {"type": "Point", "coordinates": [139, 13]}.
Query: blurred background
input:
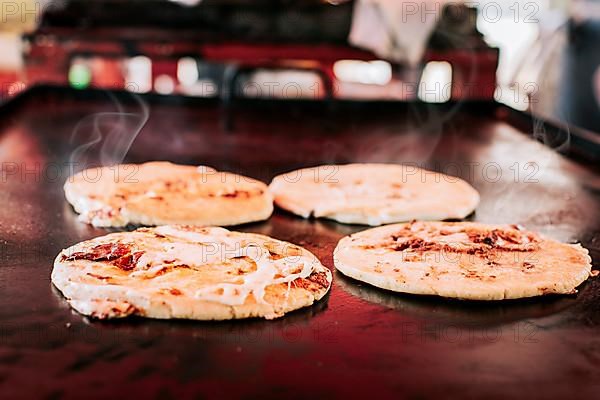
{"type": "Point", "coordinates": [537, 55]}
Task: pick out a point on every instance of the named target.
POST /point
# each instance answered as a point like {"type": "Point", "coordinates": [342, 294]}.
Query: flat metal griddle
{"type": "Point", "coordinates": [358, 341]}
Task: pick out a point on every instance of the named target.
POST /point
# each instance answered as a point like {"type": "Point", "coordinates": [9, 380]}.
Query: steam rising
{"type": "Point", "coordinates": [558, 143]}
{"type": "Point", "coordinates": [107, 136]}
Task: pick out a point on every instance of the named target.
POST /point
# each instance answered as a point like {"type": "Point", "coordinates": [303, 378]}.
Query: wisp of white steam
{"type": "Point", "coordinates": [107, 135]}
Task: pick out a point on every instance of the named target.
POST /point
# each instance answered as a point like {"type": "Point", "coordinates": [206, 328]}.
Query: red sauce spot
{"type": "Point", "coordinates": [102, 252]}
{"type": "Point", "coordinates": [415, 243]}
{"type": "Point", "coordinates": [242, 193]}
{"type": "Point", "coordinates": [236, 193]}
{"type": "Point", "coordinates": [129, 261]}
{"type": "Point", "coordinates": [117, 253]}
{"type": "Point", "coordinates": [274, 256]}
{"type": "Point", "coordinates": [318, 279]}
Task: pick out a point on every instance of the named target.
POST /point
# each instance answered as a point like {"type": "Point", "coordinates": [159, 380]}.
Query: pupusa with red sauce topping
{"type": "Point", "coordinates": [189, 272]}
{"type": "Point", "coordinates": [464, 260]}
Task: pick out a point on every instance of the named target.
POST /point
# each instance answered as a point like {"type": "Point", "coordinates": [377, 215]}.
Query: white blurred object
{"type": "Point", "coordinates": [187, 71]}
{"type": "Point", "coordinates": [138, 74]}
{"type": "Point", "coordinates": [10, 44]}
{"type": "Point", "coordinates": [395, 30]}
{"type": "Point", "coordinates": [283, 84]}
{"type": "Point", "coordinates": [365, 72]}
{"type": "Point", "coordinates": [164, 84]}
{"type": "Point", "coordinates": [436, 82]}
{"type": "Point", "coordinates": [189, 3]}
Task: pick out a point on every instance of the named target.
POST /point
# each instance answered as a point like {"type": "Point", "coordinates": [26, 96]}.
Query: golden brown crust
{"type": "Point", "coordinates": [463, 259]}
{"type": "Point", "coordinates": [159, 193]}
{"type": "Point", "coordinates": [188, 272]}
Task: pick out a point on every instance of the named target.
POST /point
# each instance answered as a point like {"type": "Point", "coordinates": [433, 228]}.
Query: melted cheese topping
{"type": "Point", "coordinates": [201, 247]}
{"type": "Point", "coordinates": [256, 282]}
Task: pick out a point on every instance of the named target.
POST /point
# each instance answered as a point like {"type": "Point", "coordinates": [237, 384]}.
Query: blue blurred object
{"type": "Point", "coordinates": [578, 101]}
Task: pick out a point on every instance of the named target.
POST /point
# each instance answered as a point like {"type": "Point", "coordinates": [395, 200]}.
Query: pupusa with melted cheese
{"type": "Point", "coordinates": [189, 272]}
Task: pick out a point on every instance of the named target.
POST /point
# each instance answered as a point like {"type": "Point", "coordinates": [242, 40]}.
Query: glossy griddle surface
{"type": "Point", "coordinates": [358, 341]}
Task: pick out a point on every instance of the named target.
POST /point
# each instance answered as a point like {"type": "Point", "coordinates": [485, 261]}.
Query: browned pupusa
{"type": "Point", "coordinates": [462, 259]}
{"type": "Point", "coordinates": [158, 193]}
{"type": "Point", "coordinates": [189, 272]}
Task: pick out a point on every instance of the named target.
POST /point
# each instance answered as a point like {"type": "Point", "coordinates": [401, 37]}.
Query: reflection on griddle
{"type": "Point", "coordinates": [465, 312]}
